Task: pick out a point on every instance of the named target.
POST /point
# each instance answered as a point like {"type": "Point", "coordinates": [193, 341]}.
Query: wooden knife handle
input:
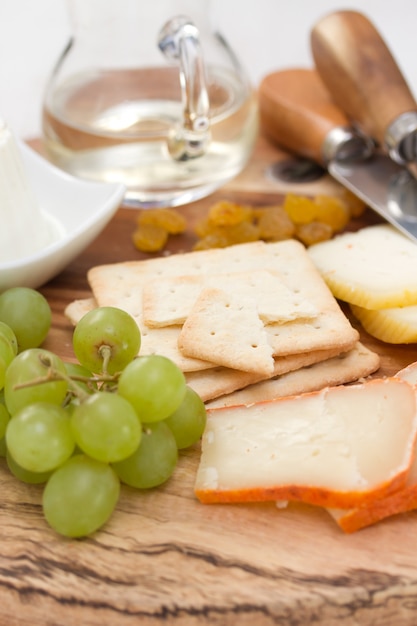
{"type": "Point", "coordinates": [360, 72]}
{"type": "Point", "coordinates": [297, 112]}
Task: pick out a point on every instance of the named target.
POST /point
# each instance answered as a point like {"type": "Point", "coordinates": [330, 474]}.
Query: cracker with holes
{"type": "Point", "coordinates": [359, 362]}
{"type": "Point", "coordinates": [226, 328]}
{"type": "Point", "coordinates": [278, 303]}
{"type": "Point", "coordinates": [123, 284]}
{"type": "Point", "coordinates": [169, 301]}
{"type": "Point", "coordinates": [154, 341]}
{"type": "Point", "coordinates": [219, 381]}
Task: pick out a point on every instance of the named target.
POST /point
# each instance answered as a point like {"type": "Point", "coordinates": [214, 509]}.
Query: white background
{"type": "Point", "coordinates": [266, 34]}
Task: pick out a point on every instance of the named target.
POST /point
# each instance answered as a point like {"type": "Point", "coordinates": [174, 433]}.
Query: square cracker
{"type": "Point", "coordinates": [344, 368]}
{"type": "Point", "coordinates": [122, 284]}
{"type": "Point", "coordinates": [76, 309]}
{"type": "Point", "coordinates": [153, 341]}
{"type": "Point", "coordinates": [217, 381]}
{"type": "Point", "coordinates": [225, 327]}
{"type": "Point", "coordinates": [220, 381]}
{"type": "Point", "coordinates": [168, 301]}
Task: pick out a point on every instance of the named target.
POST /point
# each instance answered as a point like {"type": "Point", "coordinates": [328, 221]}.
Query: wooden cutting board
{"type": "Point", "coordinates": [165, 558]}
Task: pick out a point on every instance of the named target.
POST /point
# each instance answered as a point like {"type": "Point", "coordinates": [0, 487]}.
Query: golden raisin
{"type": "Point", "coordinates": [332, 211]}
{"type": "Point", "coordinates": [225, 213]}
{"type": "Point", "coordinates": [204, 227]}
{"type": "Point", "coordinates": [300, 209]}
{"type": "Point", "coordinates": [274, 224]}
{"type": "Point", "coordinates": [313, 232]}
{"type": "Point", "coordinates": [213, 240]}
{"type": "Point", "coordinates": [169, 219]}
{"type": "Point", "coordinates": [242, 233]}
{"type": "Point", "coordinates": [355, 205]}
{"type": "Point", "coordinates": [223, 236]}
{"type": "Point", "coordinates": [150, 238]}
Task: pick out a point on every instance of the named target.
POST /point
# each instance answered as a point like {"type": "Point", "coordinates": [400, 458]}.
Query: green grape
{"type": "Point", "coordinates": [187, 423]}
{"type": "Point", "coordinates": [7, 354]}
{"type": "Point", "coordinates": [76, 370]}
{"type": "Point", "coordinates": [8, 333]}
{"type": "Point", "coordinates": [80, 496]}
{"type": "Point", "coordinates": [4, 419]}
{"type": "Point", "coordinates": [7, 351]}
{"type": "Point", "coordinates": [106, 326]}
{"type": "Point", "coordinates": [153, 462]}
{"type": "Point", "coordinates": [3, 368]}
{"type": "Point", "coordinates": [154, 385]}
{"type": "Point", "coordinates": [27, 367]}
{"type": "Point", "coordinates": [39, 437]}
{"type": "Point", "coordinates": [106, 427]}
{"type": "Point", "coordinates": [28, 314]}
{"type": "Point", "coordinates": [24, 475]}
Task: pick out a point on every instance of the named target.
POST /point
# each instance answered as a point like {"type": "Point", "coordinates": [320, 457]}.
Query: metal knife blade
{"type": "Point", "coordinates": [366, 82]}
{"type": "Point", "coordinates": [297, 112]}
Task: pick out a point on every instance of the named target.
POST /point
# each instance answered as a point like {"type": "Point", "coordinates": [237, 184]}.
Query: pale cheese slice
{"type": "Point", "coordinates": [339, 447]}
{"type": "Point", "coordinates": [409, 373]}
{"type": "Point", "coordinates": [394, 325]}
{"type": "Point", "coordinates": [401, 501]}
{"type": "Point", "coordinates": [374, 268]}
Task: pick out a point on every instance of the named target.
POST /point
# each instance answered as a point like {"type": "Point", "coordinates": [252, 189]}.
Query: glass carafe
{"type": "Point", "coordinates": [151, 95]}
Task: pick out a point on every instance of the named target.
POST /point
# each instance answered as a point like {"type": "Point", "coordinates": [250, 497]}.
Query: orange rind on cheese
{"type": "Point", "coordinates": [408, 373]}
{"type": "Point", "coordinates": [341, 447]}
{"type": "Point", "coordinates": [402, 501]}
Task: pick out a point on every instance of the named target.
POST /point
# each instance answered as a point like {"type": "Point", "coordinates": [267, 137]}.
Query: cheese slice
{"type": "Point", "coordinates": [374, 268]}
{"type": "Point", "coordinates": [408, 373]}
{"type": "Point", "coordinates": [338, 447]}
{"type": "Point", "coordinates": [400, 501]}
{"type": "Point", "coordinates": [393, 325]}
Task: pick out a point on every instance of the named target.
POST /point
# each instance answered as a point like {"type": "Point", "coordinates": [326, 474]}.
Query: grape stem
{"type": "Point", "coordinates": [51, 376]}
{"type": "Point", "coordinates": [54, 375]}
{"type": "Point", "coordinates": [105, 352]}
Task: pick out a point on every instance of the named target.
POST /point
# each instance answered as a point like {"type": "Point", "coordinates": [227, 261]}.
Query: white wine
{"type": "Point", "coordinates": [116, 126]}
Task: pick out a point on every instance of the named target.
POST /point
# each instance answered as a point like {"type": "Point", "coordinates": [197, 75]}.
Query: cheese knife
{"type": "Point", "coordinates": [298, 113]}
{"type": "Point", "coordinates": [365, 80]}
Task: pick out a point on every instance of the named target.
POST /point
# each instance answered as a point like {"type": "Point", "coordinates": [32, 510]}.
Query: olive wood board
{"type": "Point", "coordinates": [165, 558]}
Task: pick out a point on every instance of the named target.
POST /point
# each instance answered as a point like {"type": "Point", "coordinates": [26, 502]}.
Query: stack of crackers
{"type": "Point", "coordinates": [250, 322]}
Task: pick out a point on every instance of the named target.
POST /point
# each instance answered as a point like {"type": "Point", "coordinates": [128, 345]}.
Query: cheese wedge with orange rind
{"type": "Point", "coordinates": [339, 447]}
{"type": "Point", "coordinates": [408, 373]}
{"type": "Point", "coordinates": [374, 268]}
{"type": "Point", "coordinates": [401, 501]}
{"type": "Point", "coordinates": [394, 325]}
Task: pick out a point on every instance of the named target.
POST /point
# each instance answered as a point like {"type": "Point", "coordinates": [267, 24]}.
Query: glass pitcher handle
{"type": "Point", "coordinates": [179, 39]}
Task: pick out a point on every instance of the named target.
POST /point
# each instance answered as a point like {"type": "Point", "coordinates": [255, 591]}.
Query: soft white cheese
{"type": "Point", "coordinates": [25, 227]}
{"type": "Point", "coordinates": [346, 438]}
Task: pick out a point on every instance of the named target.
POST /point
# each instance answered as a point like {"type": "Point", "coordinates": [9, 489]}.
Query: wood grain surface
{"type": "Point", "coordinates": [163, 558]}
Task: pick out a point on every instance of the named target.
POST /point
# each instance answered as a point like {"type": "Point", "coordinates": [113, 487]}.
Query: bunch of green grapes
{"type": "Point", "coordinates": [83, 428]}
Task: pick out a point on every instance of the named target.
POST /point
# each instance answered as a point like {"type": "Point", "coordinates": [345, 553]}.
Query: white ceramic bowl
{"type": "Point", "coordinates": [82, 208]}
